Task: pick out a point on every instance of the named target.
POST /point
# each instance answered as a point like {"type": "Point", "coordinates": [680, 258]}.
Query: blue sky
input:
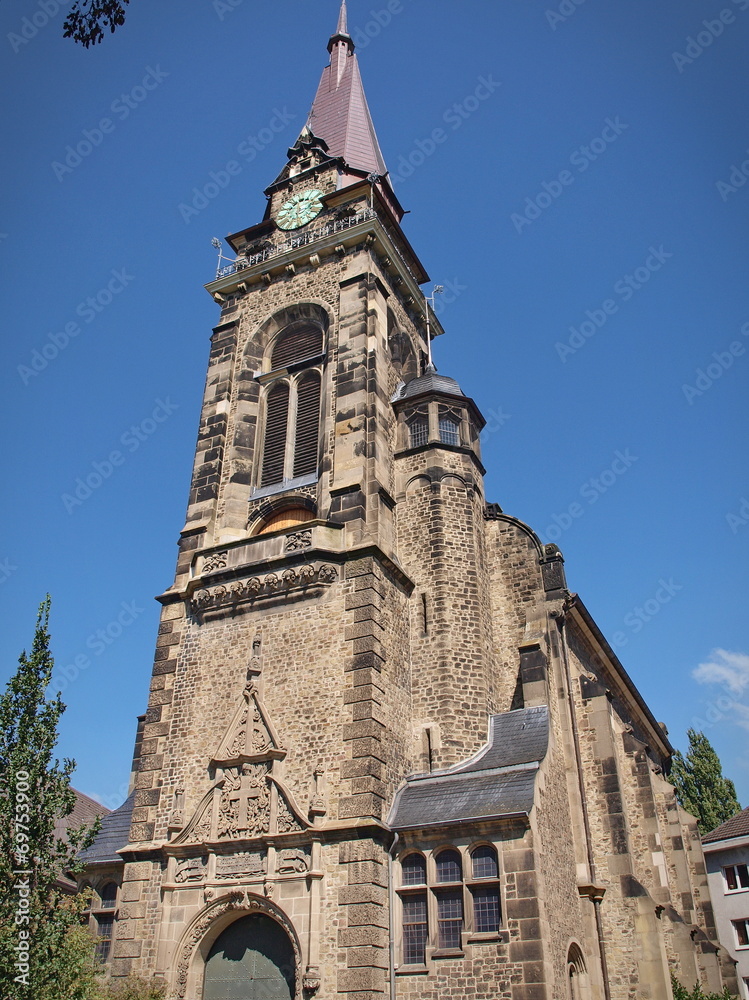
{"type": "Point", "coordinates": [584, 203]}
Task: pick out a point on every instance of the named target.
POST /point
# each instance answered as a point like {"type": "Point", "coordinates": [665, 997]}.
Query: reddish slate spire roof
{"type": "Point", "coordinates": [340, 114]}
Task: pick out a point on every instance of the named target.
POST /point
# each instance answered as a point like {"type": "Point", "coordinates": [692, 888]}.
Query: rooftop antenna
{"type": "Point", "coordinates": [437, 290]}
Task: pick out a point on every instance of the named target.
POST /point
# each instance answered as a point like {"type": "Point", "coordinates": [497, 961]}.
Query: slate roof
{"type": "Point", "coordinates": [430, 381]}
{"type": "Point", "coordinates": [736, 826]}
{"type": "Point", "coordinates": [340, 113]}
{"type": "Point", "coordinates": [114, 833]}
{"type": "Point", "coordinates": [499, 781]}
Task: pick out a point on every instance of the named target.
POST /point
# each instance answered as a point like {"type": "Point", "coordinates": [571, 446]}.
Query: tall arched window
{"type": "Point", "coordinates": [292, 407]}
{"type": "Point", "coordinates": [577, 974]}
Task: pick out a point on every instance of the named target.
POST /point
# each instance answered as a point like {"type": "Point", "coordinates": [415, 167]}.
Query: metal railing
{"type": "Point", "coordinates": [295, 242]}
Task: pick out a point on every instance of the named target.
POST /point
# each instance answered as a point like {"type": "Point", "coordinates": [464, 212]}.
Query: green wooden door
{"type": "Point", "coordinates": [252, 960]}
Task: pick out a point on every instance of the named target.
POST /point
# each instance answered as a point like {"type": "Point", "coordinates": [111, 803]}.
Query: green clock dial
{"type": "Point", "coordinates": [300, 209]}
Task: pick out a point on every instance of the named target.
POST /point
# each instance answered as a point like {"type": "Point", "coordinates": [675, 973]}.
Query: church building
{"type": "Point", "coordinates": [387, 754]}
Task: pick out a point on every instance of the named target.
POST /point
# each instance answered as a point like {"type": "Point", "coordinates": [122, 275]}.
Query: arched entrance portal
{"type": "Point", "coordinates": [252, 960]}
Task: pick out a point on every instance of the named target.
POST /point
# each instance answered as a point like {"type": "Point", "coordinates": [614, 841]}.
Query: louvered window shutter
{"type": "Point", "coordinates": [276, 420]}
{"type": "Point", "coordinates": [307, 425]}
{"type": "Point", "coordinates": [298, 345]}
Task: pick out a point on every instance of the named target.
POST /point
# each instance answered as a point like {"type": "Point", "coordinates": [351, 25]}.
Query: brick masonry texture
{"type": "Point", "coordinates": [431, 615]}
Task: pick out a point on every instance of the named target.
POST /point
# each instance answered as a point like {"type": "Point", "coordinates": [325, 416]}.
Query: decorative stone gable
{"type": "Point", "coordinates": [247, 799]}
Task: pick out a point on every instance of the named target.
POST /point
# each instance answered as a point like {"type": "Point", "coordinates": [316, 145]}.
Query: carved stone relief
{"type": "Point", "coordinates": [244, 810]}
{"type": "Point", "coordinates": [257, 587]}
{"type": "Point", "coordinates": [245, 864]}
{"type": "Point", "coordinates": [292, 861]}
{"type": "Point", "coordinates": [190, 870]}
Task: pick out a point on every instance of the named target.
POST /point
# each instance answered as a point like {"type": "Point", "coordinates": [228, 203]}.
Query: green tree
{"type": "Point", "coordinates": [700, 786]}
{"type": "Point", "coordinates": [682, 993]}
{"type": "Point", "coordinates": [44, 952]}
{"type": "Point", "coordinates": [87, 20]}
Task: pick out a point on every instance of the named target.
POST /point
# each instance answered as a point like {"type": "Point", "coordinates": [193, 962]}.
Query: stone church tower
{"type": "Point", "coordinates": [387, 752]}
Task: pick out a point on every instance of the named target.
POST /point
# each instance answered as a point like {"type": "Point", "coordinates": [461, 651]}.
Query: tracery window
{"type": "Point", "coordinates": [292, 407]}
{"type": "Point", "coordinates": [418, 431]}
{"type": "Point", "coordinates": [461, 895]}
{"type": "Point", "coordinates": [449, 428]}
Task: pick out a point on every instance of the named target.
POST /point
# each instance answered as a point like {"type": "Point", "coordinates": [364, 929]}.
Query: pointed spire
{"type": "Point", "coordinates": [340, 114]}
{"type": "Point", "coordinates": [342, 19]}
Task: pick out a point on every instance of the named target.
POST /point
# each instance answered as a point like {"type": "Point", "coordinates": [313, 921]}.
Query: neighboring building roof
{"type": "Point", "coordinates": [430, 381]}
{"type": "Point", "coordinates": [84, 813]}
{"type": "Point", "coordinates": [736, 826]}
{"type": "Point", "coordinates": [340, 113]}
{"type": "Point", "coordinates": [114, 834]}
{"type": "Point", "coordinates": [498, 781]}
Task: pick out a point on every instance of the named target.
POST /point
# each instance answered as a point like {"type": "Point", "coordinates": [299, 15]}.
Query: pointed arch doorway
{"type": "Point", "coordinates": [253, 959]}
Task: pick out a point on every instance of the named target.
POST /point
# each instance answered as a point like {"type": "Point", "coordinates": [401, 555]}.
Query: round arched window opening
{"type": "Point", "coordinates": [287, 517]}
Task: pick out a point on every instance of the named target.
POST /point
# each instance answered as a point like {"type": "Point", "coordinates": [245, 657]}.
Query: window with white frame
{"type": "Point", "coordinates": [461, 895]}
{"type": "Point", "coordinates": [736, 877]}
{"type": "Point", "coordinates": [741, 927]}
{"type": "Point", "coordinates": [292, 407]}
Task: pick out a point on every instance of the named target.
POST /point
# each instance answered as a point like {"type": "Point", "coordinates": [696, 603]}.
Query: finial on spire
{"type": "Point", "coordinates": [341, 35]}
{"type": "Point", "coordinates": [342, 20]}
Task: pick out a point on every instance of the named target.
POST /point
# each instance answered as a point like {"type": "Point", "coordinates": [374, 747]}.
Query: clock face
{"type": "Point", "coordinates": [300, 209]}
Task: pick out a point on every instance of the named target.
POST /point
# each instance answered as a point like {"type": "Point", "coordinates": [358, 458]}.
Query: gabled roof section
{"type": "Point", "coordinates": [340, 113]}
{"type": "Point", "coordinates": [497, 782]}
{"type": "Point", "coordinates": [736, 826]}
{"type": "Point", "coordinates": [84, 811]}
{"type": "Point", "coordinates": [114, 834]}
